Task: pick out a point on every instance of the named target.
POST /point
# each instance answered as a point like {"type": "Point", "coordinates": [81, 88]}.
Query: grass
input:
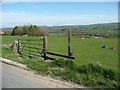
{"type": "Point", "coordinates": [91, 75]}
{"type": "Point", "coordinates": [93, 66]}
{"type": "Point", "coordinates": [9, 54]}
{"type": "Point", "coordinates": [101, 30]}
{"type": "Point", "coordinates": [86, 50]}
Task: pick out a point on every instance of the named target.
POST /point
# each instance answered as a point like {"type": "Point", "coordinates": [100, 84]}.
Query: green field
{"type": "Point", "coordinates": [86, 50]}
{"type": "Point", "coordinates": [93, 66]}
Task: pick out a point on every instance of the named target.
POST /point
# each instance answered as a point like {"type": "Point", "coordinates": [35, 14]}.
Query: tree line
{"type": "Point", "coordinates": [31, 30]}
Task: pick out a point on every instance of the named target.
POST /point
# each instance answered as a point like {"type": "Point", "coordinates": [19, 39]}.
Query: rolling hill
{"type": "Point", "coordinates": [110, 28]}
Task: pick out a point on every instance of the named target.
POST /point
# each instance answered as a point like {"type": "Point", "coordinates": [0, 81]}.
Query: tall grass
{"type": "Point", "coordinates": [91, 75]}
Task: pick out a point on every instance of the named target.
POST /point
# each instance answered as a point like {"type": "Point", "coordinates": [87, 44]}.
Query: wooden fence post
{"type": "Point", "coordinates": [18, 46]}
{"type": "Point", "coordinates": [69, 43]}
{"type": "Point", "coordinates": [45, 47]}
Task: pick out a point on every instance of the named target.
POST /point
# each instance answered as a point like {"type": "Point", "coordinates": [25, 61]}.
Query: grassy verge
{"type": "Point", "coordinates": [88, 75]}
{"type": "Point", "coordinates": [92, 75]}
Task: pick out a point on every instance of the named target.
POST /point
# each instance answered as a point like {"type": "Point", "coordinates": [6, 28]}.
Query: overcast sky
{"type": "Point", "coordinates": [58, 13]}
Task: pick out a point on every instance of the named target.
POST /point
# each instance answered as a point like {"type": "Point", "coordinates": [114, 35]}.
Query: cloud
{"type": "Point", "coordinates": [21, 18]}
{"type": "Point", "coordinates": [60, 0]}
{"type": "Point", "coordinates": [0, 19]}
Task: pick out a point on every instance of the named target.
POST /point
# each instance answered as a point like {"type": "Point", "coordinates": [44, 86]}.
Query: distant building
{"type": "Point", "coordinates": [2, 33]}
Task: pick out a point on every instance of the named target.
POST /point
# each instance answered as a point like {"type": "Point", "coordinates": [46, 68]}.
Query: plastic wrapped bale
{"type": "Point", "coordinates": [113, 47]}
{"type": "Point", "coordinates": [104, 46]}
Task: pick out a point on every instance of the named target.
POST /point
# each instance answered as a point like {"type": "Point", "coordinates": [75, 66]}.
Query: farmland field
{"type": "Point", "coordinates": [88, 50]}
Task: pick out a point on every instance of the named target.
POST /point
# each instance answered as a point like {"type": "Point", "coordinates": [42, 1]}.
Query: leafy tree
{"type": "Point", "coordinates": [41, 31]}
{"type": "Point", "coordinates": [32, 30]}
{"type": "Point", "coordinates": [15, 31]}
{"type": "Point", "coordinates": [24, 30]}
{"type": "Point", "coordinates": [35, 26]}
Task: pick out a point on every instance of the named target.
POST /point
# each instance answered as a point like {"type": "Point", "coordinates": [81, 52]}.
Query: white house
{"type": "Point", "coordinates": [2, 33]}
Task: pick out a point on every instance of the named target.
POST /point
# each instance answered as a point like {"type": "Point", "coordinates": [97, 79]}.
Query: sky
{"type": "Point", "coordinates": [58, 13]}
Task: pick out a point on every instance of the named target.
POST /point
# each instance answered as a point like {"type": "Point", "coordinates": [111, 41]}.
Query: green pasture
{"type": "Point", "coordinates": [86, 50]}
{"type": "Point", "coordinates": [100, 30]}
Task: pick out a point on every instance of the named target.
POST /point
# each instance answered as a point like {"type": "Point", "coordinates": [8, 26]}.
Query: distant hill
{"type": "Point", "coordinates": [94, 28]}
{"type": "Point", "coordinates": [111, 28]}
{"type": "Point", "coordinates": [7, 29]}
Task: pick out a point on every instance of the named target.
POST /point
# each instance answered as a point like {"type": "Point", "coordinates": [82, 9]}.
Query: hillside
{"type": "Point", "coordinates": [110, 28]}
{"type": "Point", "coordinates": [94, 28]}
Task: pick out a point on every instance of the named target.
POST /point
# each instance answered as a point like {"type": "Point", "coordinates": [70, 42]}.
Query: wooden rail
{"type": "Point", "coordinates": [31, 43]}
{"type": "Point", "coordinates": [33, 47]}
{"type": "Point", "coordinates": [30, 53]}
{"type": "Point", "coordinates": [30, 39]}
{"type": "Point", "coordinates": [35, 51]}
{"type": "Point", "coordinates": [31, 56]}
{"type": "Point", "coordinates": [56, 54]}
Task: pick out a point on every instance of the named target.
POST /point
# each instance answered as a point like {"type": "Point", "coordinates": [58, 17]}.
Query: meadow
{"type": "Point", "coordinates": [88, 50]}
{"type": "Point", "coordinates": [93, 66]}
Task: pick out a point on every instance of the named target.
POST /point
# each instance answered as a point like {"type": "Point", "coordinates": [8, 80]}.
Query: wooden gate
{"type": "Point", "coordinates": [33, 47]}
{"type": "Point", "coordinates": [37, 48]}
